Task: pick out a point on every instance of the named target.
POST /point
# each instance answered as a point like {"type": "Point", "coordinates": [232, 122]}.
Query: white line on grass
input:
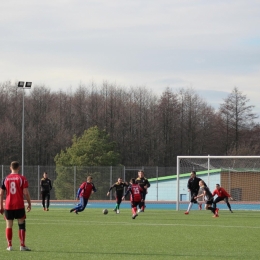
{"type": "Point", "coordinates": [55, 222]}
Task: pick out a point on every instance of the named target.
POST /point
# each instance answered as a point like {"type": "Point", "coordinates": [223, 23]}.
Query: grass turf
{"type": "Point", "coordinates": [154, 234]}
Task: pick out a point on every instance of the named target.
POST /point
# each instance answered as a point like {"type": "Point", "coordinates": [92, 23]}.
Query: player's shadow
{"type": "Point", "coordinates": [130, 254]}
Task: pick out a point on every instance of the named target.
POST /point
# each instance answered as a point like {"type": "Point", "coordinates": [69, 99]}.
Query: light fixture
{"type": "Point", "coordinates": [28, 84]}
{"type": "Point", "coordinates": [20, 84]}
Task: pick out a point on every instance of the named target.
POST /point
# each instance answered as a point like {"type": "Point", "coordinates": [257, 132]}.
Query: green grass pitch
{"type": "Point", "coordinates": [154, 234]}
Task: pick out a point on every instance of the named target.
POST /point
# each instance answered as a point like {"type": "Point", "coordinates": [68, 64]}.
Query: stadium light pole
{"type": "Point", "coordinates": [27, 85]}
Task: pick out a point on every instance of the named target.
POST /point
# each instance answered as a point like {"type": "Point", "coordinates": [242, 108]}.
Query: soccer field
{"type": "Point", "coordinates": [154, 234]}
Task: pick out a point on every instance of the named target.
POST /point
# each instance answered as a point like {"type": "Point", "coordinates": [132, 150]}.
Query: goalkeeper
{"type": "Point", "coordinates": [222, 195]}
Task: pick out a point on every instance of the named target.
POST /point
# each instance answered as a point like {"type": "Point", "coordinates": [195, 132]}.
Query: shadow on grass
{"type": "Point", "coordinates": [130, 254]}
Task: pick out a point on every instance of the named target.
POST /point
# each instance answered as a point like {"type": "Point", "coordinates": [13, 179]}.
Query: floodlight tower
{"type": "Point", "coordinates": [27, 85]}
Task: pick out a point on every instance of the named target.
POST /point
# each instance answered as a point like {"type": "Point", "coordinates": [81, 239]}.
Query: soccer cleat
{"type": "Point", "coordinates": [216, 211]}
{"type": "Point", "coordinates": [117, 212]}
{"type": "Point", "coordinates": [9, 248]}
{"type": "Point", "coordinates": [200, 207]}
{"type": "Point", "coordinates": [231, 211]}
{"type": "Point", "coordinates": [44, 209]}
{"type": "Point", "coordinates": [186, 213]}
{"type": "Point", "coordinates": [76, 212]}
{"type": "Point", "coordinates": [71, 210]}
{"type": "Point", "coordinates": [47, 209]}
{"type": "Point", "coordinates": [215, 216]}
{"type": "Point", "coordinates": [24, 248]}
{"type": "Point", "coordinates": [134, 216]}
{"type": "Point", "coordinates": [139, 210]}
{"type": "Point", "coordinates": [114, 209]}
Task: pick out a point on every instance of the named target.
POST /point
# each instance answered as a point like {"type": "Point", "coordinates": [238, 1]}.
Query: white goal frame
{"type": "Point", "coordinates": [201, 157]}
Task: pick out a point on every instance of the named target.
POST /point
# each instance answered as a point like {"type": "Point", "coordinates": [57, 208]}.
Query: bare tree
{"type": "Point", "coordinates": [238, 116]}
{"type": "Point", "coordinates": [190, 103]}
{"type": "Point", "coordinates": [168, 119]}
{"type": "Point", "coordinates": [250, 143]}
{"type": "Point", "coordinates": [149, 130]}
{"type": "Point", "coordinates": [11, 122]}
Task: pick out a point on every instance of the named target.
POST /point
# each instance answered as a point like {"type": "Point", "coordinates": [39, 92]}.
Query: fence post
{"type": "Point", "coordinates": [208, 168]}
{"type": "Point", "coordinates": [110, 181]}
{"type": "Point", "coordinates": [124, 178]}
{"type": "Point", "coordinates": [38, 182]}
{"type": "Point", "coordinates": [75, 194]}
{"type": "Point", "coordinates": [157, 182]}
{"type": "Point", "coordinates": [229, 181]}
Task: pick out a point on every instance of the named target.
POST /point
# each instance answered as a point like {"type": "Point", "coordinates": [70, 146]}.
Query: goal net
{"type": "Point", "coordinates": [238, 175]}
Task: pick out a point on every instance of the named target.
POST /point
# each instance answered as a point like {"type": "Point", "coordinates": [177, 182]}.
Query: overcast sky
{"type": "Point", "coordinates": [211, 46]}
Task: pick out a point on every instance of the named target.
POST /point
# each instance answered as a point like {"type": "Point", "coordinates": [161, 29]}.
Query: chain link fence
{"type": "Point", "coordinates": [103, 178]}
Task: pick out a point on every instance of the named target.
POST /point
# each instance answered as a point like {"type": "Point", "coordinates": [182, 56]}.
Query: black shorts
{"type": "Point", "coordinates": [192, 195]}
{"type": "Point", "coordinates": [15, 214]}
{"type": "Point", "coordinates": [209, 202]}
{"type": "Point", "coordinates": [119, 198]}
{"type": "Point", "coordinates": [45, 193]}
{"type": "Point", "coordinates": [135, 203]}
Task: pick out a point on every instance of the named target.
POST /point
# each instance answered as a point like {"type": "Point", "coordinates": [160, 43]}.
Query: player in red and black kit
{"type": "Point", "coordinates": [16, 187]}
{"type": "Point", "coordinates": [193, 188]}
{"type": "Point", "coordinates": [85, 190]}
{"type": "Point", "coordinates": [222, 195]}
{"type": "Point", "coordinates": [144, 184]}
{"type": "Point", "coordinates": [136, 196]}
{"type": "Point", "coordinates": [119, 187]}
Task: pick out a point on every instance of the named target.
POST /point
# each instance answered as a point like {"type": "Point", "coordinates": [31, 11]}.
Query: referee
{"type": "Point", "coordinates": [45, 191]}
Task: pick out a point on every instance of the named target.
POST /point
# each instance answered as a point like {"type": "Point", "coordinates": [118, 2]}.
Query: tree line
{"type": "Point", "coordinates": [147, 129]}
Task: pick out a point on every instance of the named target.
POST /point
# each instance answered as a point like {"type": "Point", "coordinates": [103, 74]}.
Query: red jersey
{"type": "Point", "coordinates": [86, 189]}
{"type": "Point", "coordinates": [136, 192]}
{"type": "Point", "coordinates": [220, 192]}
{"type": "Point", "coordinates": [14, 184]}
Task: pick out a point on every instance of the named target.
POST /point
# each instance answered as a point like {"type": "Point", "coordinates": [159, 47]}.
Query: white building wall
{"type": "Point", "coordinates": [167, 188]}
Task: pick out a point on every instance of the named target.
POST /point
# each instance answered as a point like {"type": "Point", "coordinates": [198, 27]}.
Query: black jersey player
{"type": "Point", "coordinates": [119, 191]}
{"type": "Point", "coordinates": [144, 184]}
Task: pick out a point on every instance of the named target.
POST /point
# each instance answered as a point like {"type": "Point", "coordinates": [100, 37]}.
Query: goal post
{"type": "Point", "coordinates": [238, 175]}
